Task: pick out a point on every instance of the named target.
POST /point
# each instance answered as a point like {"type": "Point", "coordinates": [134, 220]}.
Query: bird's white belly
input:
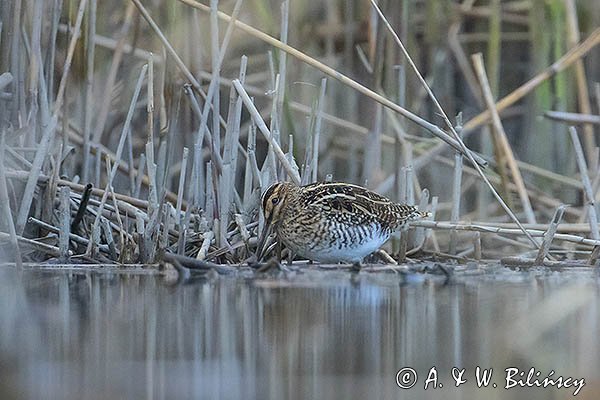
{"type": "Point", "coordinates": [350, 253]}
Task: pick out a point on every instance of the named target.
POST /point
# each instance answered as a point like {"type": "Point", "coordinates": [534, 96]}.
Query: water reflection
{"type": "Point", "coordinates": [319, 335]}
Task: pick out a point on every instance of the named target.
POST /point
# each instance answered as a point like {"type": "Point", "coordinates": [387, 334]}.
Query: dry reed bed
{"type": "Point", "coordinates": [177, 178]}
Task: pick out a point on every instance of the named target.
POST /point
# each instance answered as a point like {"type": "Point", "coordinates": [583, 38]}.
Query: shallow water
{"type": "Point", "coordinates": [309, 334]}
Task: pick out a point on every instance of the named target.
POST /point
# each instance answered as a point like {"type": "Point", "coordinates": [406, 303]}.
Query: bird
{"type": "Point", "coordinates": [331, 222]}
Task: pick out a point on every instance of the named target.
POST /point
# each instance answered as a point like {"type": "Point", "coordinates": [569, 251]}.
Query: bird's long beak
{"type": "Point", "coordinates": [262, 239]}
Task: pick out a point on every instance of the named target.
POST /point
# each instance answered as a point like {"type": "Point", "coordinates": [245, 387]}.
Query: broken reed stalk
{"type": "Point", "coordinates": [6, 79]}
{"type": "Point", "coordinates": [209, 205]}
{"type": "Point", "coordinates": [140, 175]}
{"type": "Point", "coordinates": [456, 185]}
{"type": "Point", "coordinates": [34, 245]}
{"type": "Point", "coordinates": [502, 138]}
{"type": "Point", "coordinates": [203, 134]}
{"type": "Point", "coordinates": [130, 161]}
{"type": "Point", "coordinates": [587, 186]}
{"type": "Point", "coordinates": [214, 41]}
{"type": "Point", "coordinates": [115, 205]}
{"type": "Point", "coordinates": [262, 127]}
{"type": "Point", "coordinates": [4, 200]}
{"type": "Point", "coordinates": [227, 190]}
{"type": "Point", "coordinates": [152, 189]}
{"type": "Point", "coordinates": [252, 157]}
{"type": "Point", "coordinates": [317, 135]}
{"type": "Point", "coordinates": [593, 260]}
{"type": "Point", "coordinates": [270, 169]}
{"type": "Point", "coordinates": [421, 233]}
{"type": "Point", "coordinates": [372, 153]}
{"type": "Point", "coordinates": [582, 228]}
{"type": "Point", "coordinates": [181, 189]}
{"type": "Point", "coordinates": [477, 245]}
{"type": "Point", "coordinates": [572, 118]}
{"type": "Point", "coordinates": [150, 129]}
{"type": "Point", "coordinates": [75, 238]}
{"type": "Point", "coordinates": [48, 126]}
{"type": "Point", "coordinates": [108, 237]}
{"type": "Point", "coordinates": [206, 241]}
{"type": "Point", "coordinates": [595, 182]}
{"type": "Point", "coordinates": [443, 225]}
{"type": "Point", "coordinates": [224, 203]}
{"type": "Point", "coordinates": [549, 235]}
{"type": "Point", "coordinates": [405, 197]}
{"type": "Point", "coordinates": [241, 226]}
{"type": "Point", "coordinates": [64, 217]}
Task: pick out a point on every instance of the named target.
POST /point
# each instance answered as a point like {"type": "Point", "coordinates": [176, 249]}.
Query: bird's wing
{"type": "Point", "coordinates": [354, 203]}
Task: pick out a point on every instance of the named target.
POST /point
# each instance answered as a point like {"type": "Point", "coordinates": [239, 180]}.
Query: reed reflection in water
{"type": "Point", "coordinates": [319, 335]}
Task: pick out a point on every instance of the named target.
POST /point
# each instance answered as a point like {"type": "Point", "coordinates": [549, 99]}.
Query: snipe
{"type": "Point", "coordinates": [331, 222]}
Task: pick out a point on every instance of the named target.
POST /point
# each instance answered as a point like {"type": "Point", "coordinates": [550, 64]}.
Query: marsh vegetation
{"type": "Point", "coordinates": [132, 132]}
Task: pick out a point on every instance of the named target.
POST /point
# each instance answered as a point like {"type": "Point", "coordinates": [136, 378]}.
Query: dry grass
{"type": "Point", "coordinates": [142, 132]}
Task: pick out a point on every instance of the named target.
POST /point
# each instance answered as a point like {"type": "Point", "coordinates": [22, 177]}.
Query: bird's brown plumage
{"type": "Point", "coordinates": [332, 221]}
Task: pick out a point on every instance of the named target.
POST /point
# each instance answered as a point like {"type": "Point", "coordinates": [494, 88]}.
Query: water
{"type": "Point", "coordinates": [310, 334]}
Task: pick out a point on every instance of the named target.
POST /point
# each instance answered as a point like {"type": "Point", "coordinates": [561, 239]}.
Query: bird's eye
{"type": "Point", "coordinates": [275, 200]}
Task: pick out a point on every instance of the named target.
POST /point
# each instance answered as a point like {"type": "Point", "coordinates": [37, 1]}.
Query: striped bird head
{"type": "Point", "coordinates": [273, 201]}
